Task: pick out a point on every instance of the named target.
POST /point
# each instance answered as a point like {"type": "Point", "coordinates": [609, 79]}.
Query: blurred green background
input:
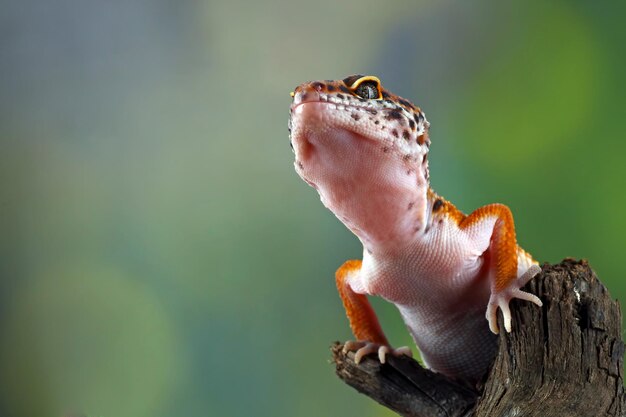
{"type": "Point", "coordinates": [159, 255]}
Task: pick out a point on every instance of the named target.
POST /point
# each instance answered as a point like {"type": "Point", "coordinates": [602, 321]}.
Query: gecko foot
{"type": "Point", "coordinates": [363, 348]}
{"type": "Point", "coordinates": [501, 299]}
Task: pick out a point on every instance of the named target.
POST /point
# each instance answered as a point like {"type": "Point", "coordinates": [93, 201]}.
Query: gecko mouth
{"type": "Point", "coordinates": [316, 115]}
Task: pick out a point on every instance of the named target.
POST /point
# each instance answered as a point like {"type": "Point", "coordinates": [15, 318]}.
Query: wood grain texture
{"type": "Point", "coordinates": [564, 359]}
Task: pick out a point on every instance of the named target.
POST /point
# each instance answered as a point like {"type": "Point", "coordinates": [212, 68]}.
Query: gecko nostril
{"type": "Point", "coordinates": [318, 86]}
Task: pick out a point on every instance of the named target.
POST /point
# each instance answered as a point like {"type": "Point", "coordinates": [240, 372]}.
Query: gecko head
{"type": "Point", "coordinates": [360, 105]}
{"type": "Point", "coordinates": [353, 136]}
{"type": "Point", "coordinates": [355, 119]}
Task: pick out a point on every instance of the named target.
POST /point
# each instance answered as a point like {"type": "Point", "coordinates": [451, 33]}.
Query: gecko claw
{"type": "Point", "coordinates": [501, 299]}
{"type": "Point", "coordinates": [362, 349]}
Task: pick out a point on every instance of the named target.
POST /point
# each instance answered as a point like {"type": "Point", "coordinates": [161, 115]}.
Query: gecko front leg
{"type": "Point", "coordinates": [365, 326]}
{"type": "Point", "coordinates": [492, 226]}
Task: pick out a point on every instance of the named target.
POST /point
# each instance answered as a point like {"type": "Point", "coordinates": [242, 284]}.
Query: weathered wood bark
{"type": "Point", "coordinates": [564, 359]}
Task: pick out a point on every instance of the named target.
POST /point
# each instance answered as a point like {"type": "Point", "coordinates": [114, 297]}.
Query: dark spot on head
{"type": "Point", "coordinates": [412, 124]}
{"type": "Point", "coordinates": [371, 111]}
{"type": "Point", "coordinates": [437, 205]}
{"type": "Point", "coordinates": [318, 86]}
{"type": "Point", "coordinates": [385, 149]}
{"type": "Point", "coordinates": [345, 89]}
{"type": "Point", "coordinates": [411, 204]}
{"type": "Point", "coordinates": [406, 157]}
{"type": "Point", "coordinates": [405, 103]}
{"type": "Point", "coordinates": [385, 94]}
{"type": "Point", "coordinates": [425, 159]}
{"type": "Point", "coordinates": [341, 96]}
{"type": "Point", "coordinates": [300, 165]}
{"type": "Point", "coordinates": [394, 114]}
{"type": "Point", "coordinates": [406, 135]}
{"type": "Point", "coordinates": [331, 87]}
{"type": "Point", "coordinates": [409, 171]}
{"type": "Point", "coordinates": [351, 79]}
{"type": "Point", "coordinates": [394, 132]}
{"type": "Point", "coordinates": [376, 122]}
{"type": "Point", "coordinates": [303, 97]}
{"type": "Point", "coordinates": [361, 99]}
{"type": "Point", "coordinates": [416, 117]}
{"type": "Point", "coordinates": [355, 116]}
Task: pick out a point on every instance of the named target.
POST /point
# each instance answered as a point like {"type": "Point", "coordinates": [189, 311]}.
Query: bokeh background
{"type": "Point", "coordinates": [158, 254]}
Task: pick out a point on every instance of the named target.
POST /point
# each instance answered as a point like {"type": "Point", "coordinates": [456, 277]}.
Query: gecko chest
{"type": "Point", "coordinates": [435, 273]}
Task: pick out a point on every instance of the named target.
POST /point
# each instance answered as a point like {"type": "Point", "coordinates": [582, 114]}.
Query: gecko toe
{"type": "Point", "coordinates": [523, 295]}
{"type": "Point", "coordinates": [404, 350]}
{"type": "Point", "coordinates": [492, 317]}
{"type": "Point", "coordinates": [362, 349]}
{"type": "Point", "coordinates": [367, 349]}
{"type": "Point", "coordinates": [352, 345]}
{"type": "Point", "coordinates": [382, 353]}
{"type": "Point", "coordinates": [530, 273]}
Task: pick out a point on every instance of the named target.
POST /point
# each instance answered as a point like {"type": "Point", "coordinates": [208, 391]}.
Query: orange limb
{"type": "Point", "coordinates": [363, 321]}
{"type": "Point", "coordinates": [503, 246]}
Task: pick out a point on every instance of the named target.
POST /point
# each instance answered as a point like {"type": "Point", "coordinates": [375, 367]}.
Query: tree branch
{"type": "Point", "coordinates": [564, 359]}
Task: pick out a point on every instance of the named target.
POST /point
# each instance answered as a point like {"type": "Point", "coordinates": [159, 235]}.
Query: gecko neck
{"type": "Point", "coordinates": [395, 216]}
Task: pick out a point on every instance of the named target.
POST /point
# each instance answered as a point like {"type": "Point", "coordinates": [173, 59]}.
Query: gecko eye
{"type": "Point", "coordinates": [367, 90]}
{"type": "Point", "coordinates": [367, 87]}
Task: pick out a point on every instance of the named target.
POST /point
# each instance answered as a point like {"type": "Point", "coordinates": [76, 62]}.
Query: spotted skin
{"type": "Point", "coordinates": [364, 149]}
